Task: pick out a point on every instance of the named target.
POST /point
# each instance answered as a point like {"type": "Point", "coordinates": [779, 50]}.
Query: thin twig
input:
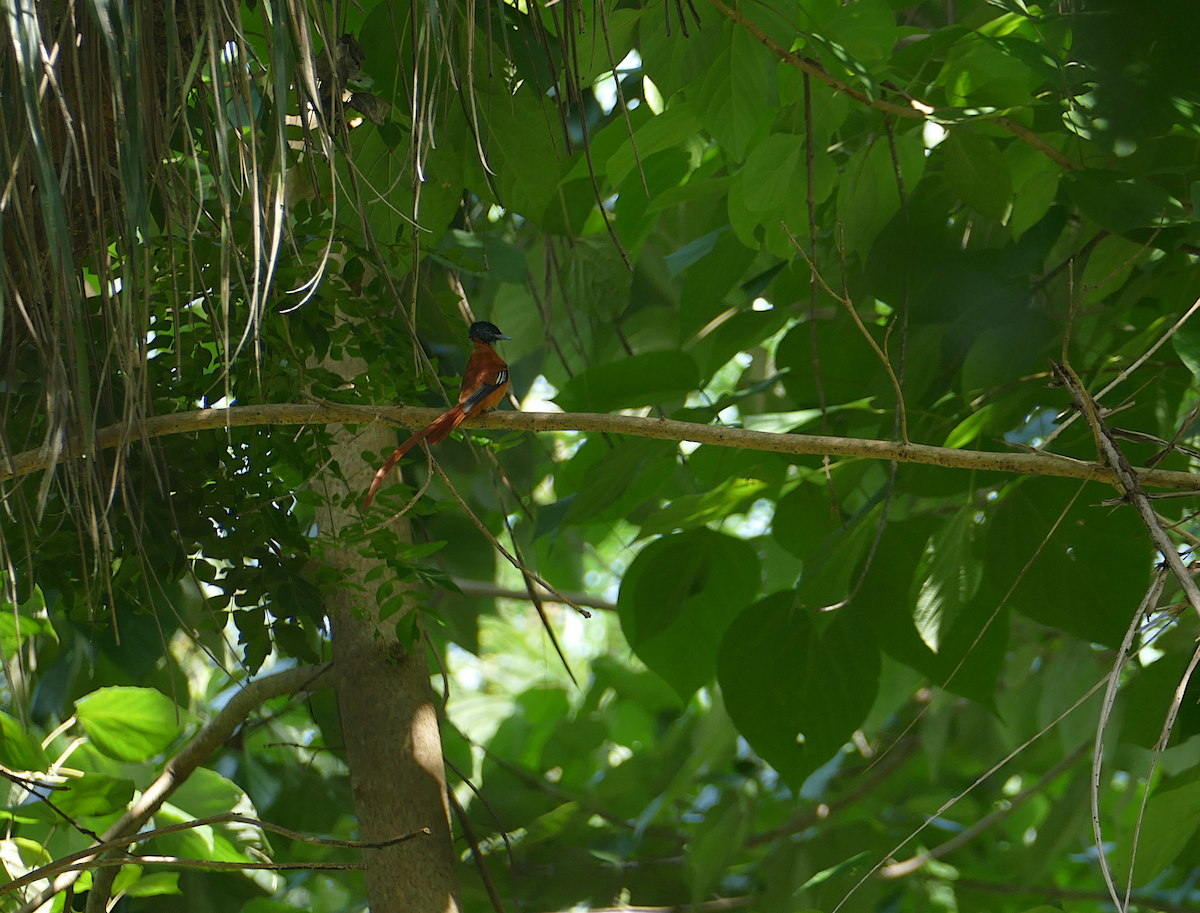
{"type": "Point", "coordinates": [908, 866]}
{"type": "Point", "coordinates": [849, 305]}
{"type": "Point", "coordinates": [1110, 698]}
{"type": "Point", "coordinates": [949, 803]}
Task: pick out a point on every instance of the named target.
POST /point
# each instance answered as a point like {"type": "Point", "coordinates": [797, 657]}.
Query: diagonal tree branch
{"type": "Point", "coordinates": [914, 110]}
{"type": "Point", "coordinates": [194, 753]}
{"type": "Point", "coordinates": [1039, 463]}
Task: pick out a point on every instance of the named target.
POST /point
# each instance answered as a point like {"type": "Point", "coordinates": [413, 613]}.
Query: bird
{"type": "Point", "coordinates": [485, 381]}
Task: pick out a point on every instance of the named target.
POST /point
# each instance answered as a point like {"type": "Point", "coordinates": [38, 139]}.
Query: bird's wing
{"type": "Point", "coordinates": [480, 393]}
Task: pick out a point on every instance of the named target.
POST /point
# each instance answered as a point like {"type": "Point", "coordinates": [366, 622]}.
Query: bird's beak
{"type": "Point", "coordinates": [502, 336]}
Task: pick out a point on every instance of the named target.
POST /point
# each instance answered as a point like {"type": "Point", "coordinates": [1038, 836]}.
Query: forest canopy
{"type": "Point", "coordinates": [830, 550]}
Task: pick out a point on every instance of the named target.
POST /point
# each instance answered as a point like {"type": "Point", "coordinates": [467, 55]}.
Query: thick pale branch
{"type": "Point", "coordinates": [194, 753]}
{"type": "Point", "coordinates": [1039, 463]}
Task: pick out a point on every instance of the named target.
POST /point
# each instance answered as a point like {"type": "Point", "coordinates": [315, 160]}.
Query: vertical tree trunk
{"type": "Point", "coordinates": [389, 719]}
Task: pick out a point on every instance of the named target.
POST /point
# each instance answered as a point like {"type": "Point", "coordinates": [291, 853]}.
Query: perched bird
{"type": "Point", "coordinates": [485, 381]}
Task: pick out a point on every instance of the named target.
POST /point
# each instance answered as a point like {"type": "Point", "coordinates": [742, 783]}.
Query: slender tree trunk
{"type": "Point", "coordinates": [389, 718]}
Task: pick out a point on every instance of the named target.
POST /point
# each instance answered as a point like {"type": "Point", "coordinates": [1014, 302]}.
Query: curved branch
{"type": "Point", "coordinates": [1037, 463]}
{"type": "Point", "coordinates": [914, 110]}
{"type": "Point", "coordinates": [193, 754]}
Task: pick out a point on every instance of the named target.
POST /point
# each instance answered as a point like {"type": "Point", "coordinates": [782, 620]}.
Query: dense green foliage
{"type": "Point", "coordinates": [804, 659]}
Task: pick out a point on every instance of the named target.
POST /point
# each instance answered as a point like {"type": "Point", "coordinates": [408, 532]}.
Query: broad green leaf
{"type": "Point", "coordinates": [672, 56]}
{"type": "Point", "coordinates": [642, 380]}
{"type": "Point", "coordinates": [483, 253]}
{"type": "Point", "coordinates": [865, 28]}
{"type": "Point", "coordinates": [946, 579]}
{"type": "Point", "coordinates": [155, 884]}
{"type": "Point", "coordinates": [595, 279]}
{"type": "Point", "coordinates": [804, 518]}
{"type": "Point", "coordinates": [980, 74]}
{"type": "Point", "coordinates": [1148, 697]}
{"type": "Point", "coordinates": [735, 92]}
{"type": "Point", "coordinates": [130, 724]}
{"type": "Point", "coordinates": [1108, 267]}
{"type": "Point", "coordinates": [848, 364]}
{"type": "Point", "coordinates": [709, 280]}
{"type": "Point", "coordinates": [692, 511]}
{"type": "Point", "coordinates": [19, 749]}
{"type": "Point", "coordinates": [1186, 342]}
{"type": "Point", "coordinates": [1091, 571]}
{"type": "Point", "coordinates": [1172, 817]}
{"type": "Point", "coordinates": [1119, 202]}
{"type": "Point", "coordinates": [1032, 201]}
{"type": "Point", "coordinates": [594, 59]}
{"type": "Point", "coordinates": [677, 598]}
{"type": "Point", "coordinates": [204, 842]}
{"type": "Point", "coordinates": [971, 654]}
{"type": "Point", "coordinates": [977, 172]}
{"type": "Point", "coordinates": [830, 568]}
{"type": "Point", "coordinates": [94, 795]}
{"type": "Point", "coordinates": [207, 793]}
{"type": "Point", "coordinates": [666, 131]}
{"type": "Point", "coordinates": [624, 469]}
{"type": "Point", "coordinates": [716, 842]}
{"type": "Point", "coordinates": [970, 428]}
{"type": "Point", "coordinates": [521, 151]}
{"type": "Point", "coordinates": [867, 195]}
{"type": "Point", "coordinates": [770, 168]}
{"type": "Point", "coordinates": [797, 685]}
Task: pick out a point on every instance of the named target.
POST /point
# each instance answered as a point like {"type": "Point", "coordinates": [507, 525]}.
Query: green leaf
{"type": "Point", "coordinates": [641, 380]}
{"type": "Point", "coordinates": [483, 254]}
{"type": "Point", "coordinates": [971, 654]}
{"type": "Point", "coordinates": [867, 196]}
{"type": "Point", "coordinates": [666, 131]}
{"type": "Point", "coordinates": [673, 57]}
{"type": "Point", "coordinates": [796, 684]}
{"type": "Point", "coordinates": [946, 579]}
{"type": "Point", "coordinates": [830, 567]}
{"type": "Point", "coordinates": [865, 28]}
{"type": "Point", "coordinates": [521, 151]}
{"type": "Point", "coordinates": [1119, 202]}
{"type": "Point", "coordinates": [804, 518]}
{"type": "Point", "coordinates": [595, 279]}
{"type": "Point", "coordinates": [970, 428]}
{"type": "Point", "coordinates": [19, 750]}
{"type": "Point", "coordinates": [94, 795]}
{"type": "Point", "coordinates": [770, 168]}
{"type": "Point", "coordinates": [155, 884]}
{"type": "Point", "coordinates": [1172, 817]}
{"type": "Point", "coordinates": [130, 724]}
{"type": "Point", "coordinates": [1032, 201]}
{"type": "Point", "coordinates": [677, 598]}
{"type": "Point", "coordinates": [709, 281]}
{"type": "Point", "coordinates": [1095, 566]}
{"type": "Point", "coordinates": [207, 793]}
{"type": "Point", "coordinates": [977, 172]}
{"type": "Point", "coordinates": [735, 92]}
{"type": "Point", "coordinates": [594, 59]}
{"type": "Point", "coordinates": [692, 511]}
{"type": "Point", "coordinates": [616, 473]}
{"type": "Point", "coordinates": [1186, 342]}
{"type": "Point", "coordinates": [825, 874]}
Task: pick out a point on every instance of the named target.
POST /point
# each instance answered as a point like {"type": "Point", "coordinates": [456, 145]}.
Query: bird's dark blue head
{"type": "Point", "coordinates": [483, 331]}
